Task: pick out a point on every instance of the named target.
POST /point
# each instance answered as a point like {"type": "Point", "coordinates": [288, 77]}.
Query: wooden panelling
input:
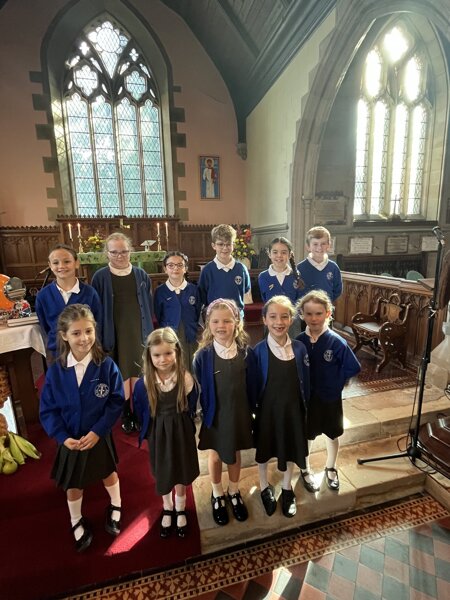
{"type": "Point", "coordinates": [361, 292]}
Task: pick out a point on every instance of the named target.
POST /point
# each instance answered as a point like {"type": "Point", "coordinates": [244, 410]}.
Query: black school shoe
{"type": "Point", "coordinates": [85, 540]}
{"type": "Point", "coordinates": [164, 532]}
{"type": "Point", "coordinates": [333, 484]}
{"type": "Point", "coordinates": [269, 500]}
{"type": "Point", "coordinates": [288, 503]}
{"type": "Point", "coordinates": [111, 526]}
{"type": "Point", "coordinates": [219, 510]}
{"type": "Point", "coordinates": [238, 507]}
{"type": "Point", "coordinates": [128, 420]}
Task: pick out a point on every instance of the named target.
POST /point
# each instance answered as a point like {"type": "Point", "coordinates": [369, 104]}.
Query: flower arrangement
{"type": "Point", "coordinates": [243, 248]}
{"type": "Point", "coordinates": [94, 243]}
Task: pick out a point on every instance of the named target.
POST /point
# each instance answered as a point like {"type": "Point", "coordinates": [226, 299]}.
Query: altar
{"type": "Point", "coordinates": [92, 261]}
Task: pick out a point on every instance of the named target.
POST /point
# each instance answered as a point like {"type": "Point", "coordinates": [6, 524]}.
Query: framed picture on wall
{"type": "Point", "coordinates": [209, 177]}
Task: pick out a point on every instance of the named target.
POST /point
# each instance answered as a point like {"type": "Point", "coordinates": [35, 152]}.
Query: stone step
{"type": "Point", "coordinates": [374, 425]}
{"type": "Point", "coordinates": [360, 486]}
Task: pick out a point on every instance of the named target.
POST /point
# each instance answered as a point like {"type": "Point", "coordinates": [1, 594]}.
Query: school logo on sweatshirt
{"type": "Point", "coordinates": [192, 300]}
{"type": "Point", "coordinates": [101, 390]}
{"type": "Point", "coordinates": [328, 355]}
{"type": "Point", "coordinates": [306, 360]}
{"type": "Point", "coordinates": [330, 275]}
{"type": "Point", "coordinates": [238, 280]}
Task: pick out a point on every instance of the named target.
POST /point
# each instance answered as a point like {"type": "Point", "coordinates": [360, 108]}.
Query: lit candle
{"type": "Point", "coordinates": [157, 227]}
{"type": "Point", "coordinates": [79, 229]}
{"type": "Point", "coordinates": [69, 227]}
{"type": "Point", "coordinates": [167, 229]}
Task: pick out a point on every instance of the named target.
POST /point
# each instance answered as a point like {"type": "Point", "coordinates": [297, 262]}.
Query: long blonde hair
{"type": "Point", "coordinates": [159, 336]}
{"type": "Point", "coordinates": [240, 336]}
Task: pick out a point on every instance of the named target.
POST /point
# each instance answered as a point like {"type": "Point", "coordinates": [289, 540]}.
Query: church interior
{"type": "Point", "coordinates": [162, 119]}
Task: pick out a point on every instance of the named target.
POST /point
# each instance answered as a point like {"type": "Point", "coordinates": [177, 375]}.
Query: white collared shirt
{"type": "Point", "coordinates": [178, 289]}
{"type": "Point", "coordinates": [120, 272]}
{"type": "Point", "coordinates": [227, 267]}
{"type": "Point", "coordinates": [225, 352]}
{"type": "Point", "coordinates": [315, 338]}
{"type": "Point", "coordinates": [282, 352]}
{"type": "Point", "coordinates": [66, 294]}
{"type": "Point", "coordinates": [280, 275]}
{"type": "Point", "coordinates": [171, 382]}
{"type": "Point", "coordinates": [319, 266]}
{"type": "Point", "coordinates": [80, 367]}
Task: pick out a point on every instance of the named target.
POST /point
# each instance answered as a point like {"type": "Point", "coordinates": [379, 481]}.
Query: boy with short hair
{"type": "Point", "coordinates": [317, 271]}
{"type": "Point", "coordinates": [224, 277]}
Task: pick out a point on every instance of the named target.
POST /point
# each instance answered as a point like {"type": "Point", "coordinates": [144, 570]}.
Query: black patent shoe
{"type": "Point", "coordinates": [128, 422]}
{"type": "Point", "coordinates": [219, 510]}
{"type": "Point", "coordinates": [85, 540]}
{"type": "Point", "coordinates": [269, 500]}
{"type": "Point", "coordinates": [333, 484]}
{"type": "Point", "coordinates": [164, 532]}
{"type": "Point", "coordinates": [112, 526]}
{"type": "Point", "coordinates": [238, 507]}
{"type": "Point", "coordinates": [181, 531]}
{"type": "Point", "coordinates": [288, 503]}
{"type": "Point", "coordinates": [309, 486]}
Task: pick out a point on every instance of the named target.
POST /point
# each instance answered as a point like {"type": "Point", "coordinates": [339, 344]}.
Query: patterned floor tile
{"type": "Point", "coordinates": [369, 579]}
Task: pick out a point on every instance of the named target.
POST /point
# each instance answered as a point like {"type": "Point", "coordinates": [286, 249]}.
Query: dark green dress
{"type": "Point", "coordinates": [127, 324]}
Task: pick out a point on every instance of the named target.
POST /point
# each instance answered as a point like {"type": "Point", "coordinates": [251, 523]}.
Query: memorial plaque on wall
{"type": "Point", "coordinates": [397, 244]}
{"type": "Point", "coordinates": [429, 243]}
{"type": "Point", "coordinates": [361, 245]}
{"type": "Point", "coordinates": [330, 211]}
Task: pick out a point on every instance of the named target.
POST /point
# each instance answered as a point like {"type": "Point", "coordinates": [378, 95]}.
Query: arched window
{"type": "Point", "coordinates": [112, 125]}
{"type": "Point", "coordinates": [393, 121]}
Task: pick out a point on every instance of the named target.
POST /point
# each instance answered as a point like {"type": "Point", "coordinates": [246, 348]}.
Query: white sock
{"type": "Point", "coordinates": [114, 494]}
{"type": "Point", "coordinates": [332, 452]}
{"type": "Point", "coordinates": [287, 476]}
{"type": "Point", "coordinates": [217, 489]}
{"type": "Point", "coordinates": [168, 505]}
{"type": "Point", "coordinates": [233, 487]}
{"type": "Point", "coordinates": [180, 504]}
{"type": "Point", "coordinates": [75, 516]}
{"type": "Point", "coordinates": [263, 483]}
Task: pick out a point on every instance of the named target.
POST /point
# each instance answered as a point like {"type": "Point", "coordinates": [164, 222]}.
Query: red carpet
{"type": "Point", "coordinates": [38, 556]}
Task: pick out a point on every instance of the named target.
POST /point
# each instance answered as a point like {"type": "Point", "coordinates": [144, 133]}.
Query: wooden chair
{"type": "Point", "coordinates": [385, 328]}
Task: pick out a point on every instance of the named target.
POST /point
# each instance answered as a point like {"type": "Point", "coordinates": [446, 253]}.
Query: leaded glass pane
{"type": "Point", "coordinates": [380, 135]}
{"type": "Point", "coordinates": [86, 79]}
{"type": "Point", "coordinates": [372, 73]}
{"type": "Point", "coordinates": [419, 127]}
{"type": "Point", "coordinates": [136, 85]}
{"type": "Point", "coordinates": [395, 44]}
{"type": "Point", "coordinates": [362, 143]}
{"type": "Point", "coordinates": [412, 79]}
{"type": "Point", "coordinates": [399, 158]}
{"type": "Point", "coordinates": [109, 43]}
{"type": "Point", "coordinates": [153, 176]}
{"type": "Point", "coordinates": [129, 157]}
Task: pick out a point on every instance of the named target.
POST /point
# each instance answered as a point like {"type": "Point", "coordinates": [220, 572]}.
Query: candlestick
{"type": "Point", "coordinates": [69, 227]}
{"type": "Point", "coordinates": [79, 229]}
{"type": "Point", "coordinates": [166, 224]}
{"type": "Point", "coordinates": [157, 227]}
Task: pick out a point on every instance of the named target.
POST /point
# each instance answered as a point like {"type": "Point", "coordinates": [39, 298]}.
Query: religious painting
{"type": "Point", "coordinates": [209, 177]}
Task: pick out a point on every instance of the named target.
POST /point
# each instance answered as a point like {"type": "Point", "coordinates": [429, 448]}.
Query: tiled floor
{"type": "Point", "coordinates": [398, 551]}
{"type": "Point", "coordinates": [406, 565]}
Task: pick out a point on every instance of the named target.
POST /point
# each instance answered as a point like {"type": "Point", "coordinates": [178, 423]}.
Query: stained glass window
{"type": "Point", "coordinates": [112, 126]}
{"type": "Point", "coordinates": [393, 115]}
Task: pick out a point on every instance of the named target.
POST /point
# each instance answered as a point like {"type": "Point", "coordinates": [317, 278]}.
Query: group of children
{"type": "Point", "coordinates": [276, 397]}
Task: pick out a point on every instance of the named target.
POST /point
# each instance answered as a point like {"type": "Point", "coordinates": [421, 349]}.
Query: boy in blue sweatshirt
{"type": "Point", "coordinates": [224, 277]}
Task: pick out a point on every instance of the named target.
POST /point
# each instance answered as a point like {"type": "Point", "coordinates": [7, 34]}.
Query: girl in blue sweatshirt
{"type": "Point", "coordinates": [65, 290]}
{"type": "Point", "coordinates": [332, 363]}
{"type": "Point", "coordinates": [80, 402]}
{"type": "Point", "coordinates": [177, 304]}
{"type": "Point", "coordinates": [225, 368]}
{"type": "Point", "coordinates": [282, 278]}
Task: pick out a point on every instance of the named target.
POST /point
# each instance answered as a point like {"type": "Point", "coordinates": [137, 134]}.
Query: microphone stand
{"type": "Point", "coordinates": [413, 451]}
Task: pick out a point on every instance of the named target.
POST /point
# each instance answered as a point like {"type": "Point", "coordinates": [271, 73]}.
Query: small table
{"type": "Point", "coordinates": [16, 347]}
